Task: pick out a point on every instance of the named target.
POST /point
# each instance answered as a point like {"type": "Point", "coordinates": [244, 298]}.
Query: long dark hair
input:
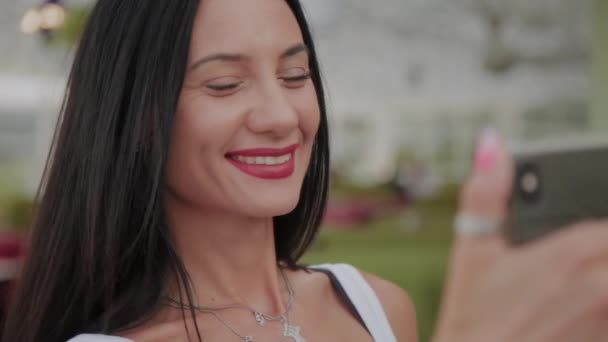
{"type": "Point", "coordinates": [100, 255]}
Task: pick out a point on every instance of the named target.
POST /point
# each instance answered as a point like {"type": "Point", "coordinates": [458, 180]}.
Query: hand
{"type": "Point", "coordinates": [552, 289]}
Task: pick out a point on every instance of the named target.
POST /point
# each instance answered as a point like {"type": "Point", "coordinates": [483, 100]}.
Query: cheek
{"type": "Point", "coordinates": [201, 132]}
{"type": "Point", "coordinates": [309, 120]}
{"type": "Point", "coordinates": [310, 115]}
{"type": "Point", "coordinates": [202, 124]}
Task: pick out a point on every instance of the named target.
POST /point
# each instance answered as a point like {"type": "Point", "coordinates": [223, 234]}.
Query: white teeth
{"type": "Point", "coordinates": [260, 160]}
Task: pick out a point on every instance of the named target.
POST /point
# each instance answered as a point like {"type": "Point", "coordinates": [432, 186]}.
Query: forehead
{"type": "Point", "coordinates": [243, 26]}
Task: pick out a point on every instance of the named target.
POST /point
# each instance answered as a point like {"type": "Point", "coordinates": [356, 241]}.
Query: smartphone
{"type": "Point", "coordinates": [557, 183]}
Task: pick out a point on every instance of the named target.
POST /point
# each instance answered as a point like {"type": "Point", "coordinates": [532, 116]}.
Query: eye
{"type": "Point", "coordinates": [294, 77]}
{"type": "Point", "coordinates": [223, 86]}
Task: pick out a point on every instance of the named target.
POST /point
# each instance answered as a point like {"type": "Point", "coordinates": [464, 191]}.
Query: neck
{"type": "Point", "coordinates": [229, 259]}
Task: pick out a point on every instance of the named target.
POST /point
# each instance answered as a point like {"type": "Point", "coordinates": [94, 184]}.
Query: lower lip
{"type": "Point", "coordinates": [277, 171]}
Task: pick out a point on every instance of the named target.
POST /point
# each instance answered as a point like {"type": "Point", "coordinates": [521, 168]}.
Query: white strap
{"type": "Point", "coordinates": [98, 338]}
{"type": "Point", "coordinates": [364, 299]}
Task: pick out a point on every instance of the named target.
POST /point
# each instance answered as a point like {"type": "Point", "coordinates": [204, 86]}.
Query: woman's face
{"type": "Point", "coordinates": [247, 114]}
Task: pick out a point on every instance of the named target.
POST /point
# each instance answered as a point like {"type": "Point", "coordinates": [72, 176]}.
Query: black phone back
{"type": "Point", "coordinates": [556, 184]}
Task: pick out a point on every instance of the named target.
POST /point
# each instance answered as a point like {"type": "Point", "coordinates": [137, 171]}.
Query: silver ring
{"type": "Point", "coordinates": [468, 224]}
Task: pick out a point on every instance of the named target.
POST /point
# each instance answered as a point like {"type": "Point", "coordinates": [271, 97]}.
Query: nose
{"type": "Point", "coordinates": [274, 114]}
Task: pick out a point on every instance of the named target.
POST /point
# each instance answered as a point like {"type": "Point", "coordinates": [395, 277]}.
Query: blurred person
{"type": "Point", "coordinates": [189, 174]}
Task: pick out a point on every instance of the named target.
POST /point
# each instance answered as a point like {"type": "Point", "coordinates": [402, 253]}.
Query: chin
{"type": "Point", "coordinates": [271, 206]}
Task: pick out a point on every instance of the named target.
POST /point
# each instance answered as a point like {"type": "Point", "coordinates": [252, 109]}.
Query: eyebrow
{"type": "Point", "coordinates": [232, 57]}
{"type": "Point", "coordinates": [294, 50]}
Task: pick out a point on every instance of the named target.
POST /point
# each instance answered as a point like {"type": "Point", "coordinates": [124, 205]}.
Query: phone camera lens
{"type": "Point", "coordinates": [529, 183]}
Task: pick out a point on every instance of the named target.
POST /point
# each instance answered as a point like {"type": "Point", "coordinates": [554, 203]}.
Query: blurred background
{"type": "Point", "coordinates": [410, 82]}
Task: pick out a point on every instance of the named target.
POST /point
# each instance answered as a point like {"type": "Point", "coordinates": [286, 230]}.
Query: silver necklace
{"type": "Point", "coordinates": [289, 330]}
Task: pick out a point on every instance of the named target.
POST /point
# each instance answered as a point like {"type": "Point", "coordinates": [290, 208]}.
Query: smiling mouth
{"type": "Point", "coordinates": [266, 163]}
{"type": "Point", "coordinates": [262, 160]}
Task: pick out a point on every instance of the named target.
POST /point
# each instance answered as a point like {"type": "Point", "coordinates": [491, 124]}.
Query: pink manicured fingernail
{"type": "Point", "coordinates": [487, 150]}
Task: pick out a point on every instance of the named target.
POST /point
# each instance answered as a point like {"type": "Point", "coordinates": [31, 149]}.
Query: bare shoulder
{"type": "Point", "coordinates": [398, 307]}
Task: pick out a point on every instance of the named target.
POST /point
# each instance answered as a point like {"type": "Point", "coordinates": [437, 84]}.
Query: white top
{"type": "Point", "coordinates": [356, 288]}
{"type": "Point", "coordinates": [98, 338]}
{"type": "Point", "coordinates": [364, 300]}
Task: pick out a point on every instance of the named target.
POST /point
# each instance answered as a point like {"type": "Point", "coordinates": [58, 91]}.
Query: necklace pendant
{"type": "Point", "coordinates": [259, 318]}
{"type": "Point", "coordinates": [248, 339]}
{"type": "Point", "coordinates": [292, 331]}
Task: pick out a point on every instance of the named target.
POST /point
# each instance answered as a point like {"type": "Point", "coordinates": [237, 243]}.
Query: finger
{"type": "Point", "coordinates": [589, 331]}
{"type": "Point", "coordinates": [488, 189]}
{"type": "Point", "coordinates": [485, 195]}
{"type": "Point", "coordinates": [574, 311]}
{"type": "Point", "coordinates": [572, 248]}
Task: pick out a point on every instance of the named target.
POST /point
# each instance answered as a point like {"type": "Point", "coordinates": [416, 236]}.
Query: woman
{"type": "Point", "coordinates": [188, 176]}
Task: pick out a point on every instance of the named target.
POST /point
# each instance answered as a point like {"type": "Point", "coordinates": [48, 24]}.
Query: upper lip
{"type": "Point", "coordinates": [264, 151]}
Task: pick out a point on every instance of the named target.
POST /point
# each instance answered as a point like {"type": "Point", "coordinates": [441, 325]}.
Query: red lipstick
{"type": "Point", "coordinates": [266, 163]}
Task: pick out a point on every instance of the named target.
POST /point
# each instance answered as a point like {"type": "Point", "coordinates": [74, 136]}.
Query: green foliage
{"type": "Point", "coordinates": [342, 187]}
{"type": "Point", "coordinates": [73, 27]}
{"type": "Point", "coordinates": [18, 212]}
{"type": "Point", "coordinates": [443, 203]}
{"type": "Point", "coordinates": [561, 116]}
{"type": "Point", "coordinates": [15, 206]}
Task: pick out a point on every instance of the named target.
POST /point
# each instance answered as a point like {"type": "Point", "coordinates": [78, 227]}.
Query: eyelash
{"type": "Point", "coordinates": [233, 86]}
{"type": "Point", "coordinates": [298, 78]}
{"type": "Point", "coordinates": [224, 87]}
